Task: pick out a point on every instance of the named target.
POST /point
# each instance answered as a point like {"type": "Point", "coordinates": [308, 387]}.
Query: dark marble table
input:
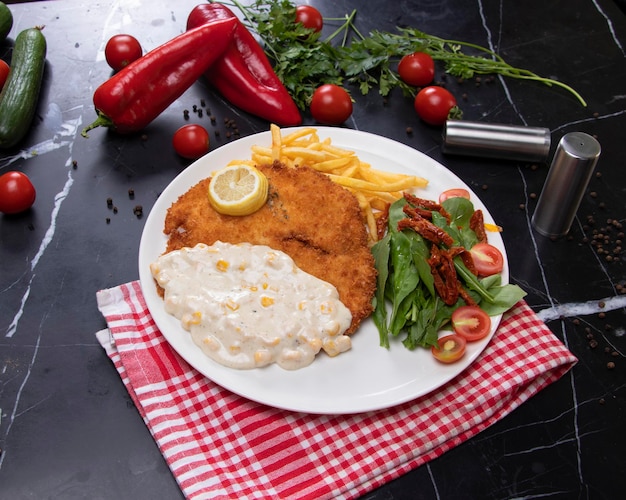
{"type": "Point", "coordinates": [68, 428]}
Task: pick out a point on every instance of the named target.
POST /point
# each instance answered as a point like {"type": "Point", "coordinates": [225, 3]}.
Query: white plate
{"type": "Point", "coordinates": [368, 377]}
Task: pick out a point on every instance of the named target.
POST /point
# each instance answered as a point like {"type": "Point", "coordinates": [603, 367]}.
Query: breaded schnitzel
{"type": "Point", "coordinates": [316, 222]}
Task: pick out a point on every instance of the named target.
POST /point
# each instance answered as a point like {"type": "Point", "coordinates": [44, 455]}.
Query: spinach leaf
{"type": "Point", "coordinates": [421, 252]}
{"type": "Point", "coordinates": [396, 214]}
{"type": "Point", "coordinates": [504, 297]}
{"type": "Point", "coordinates": [461, 211]}
{"type": "Point", "coordinates": [430, 315]}
{"type": "Point", "coordinates": [380, 251]}
{"type": "Point", "coordinates": [405, 276]}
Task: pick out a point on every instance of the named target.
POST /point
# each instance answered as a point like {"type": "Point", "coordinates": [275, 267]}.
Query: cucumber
{"type": "Point", "coordinates": [20, 94]}
{"type": "Point", "coordinates": [6, 21]}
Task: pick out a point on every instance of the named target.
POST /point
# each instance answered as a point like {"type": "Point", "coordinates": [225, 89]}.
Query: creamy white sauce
{"type": "Point", "coordinates": [248, 306]}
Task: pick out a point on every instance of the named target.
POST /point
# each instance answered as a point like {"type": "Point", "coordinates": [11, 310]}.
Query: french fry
{"type": "Point", "coordinates": [276, 143]}
{"type": "Point", "coordinates": [374, 189]}
{"type": "Point", "coordinates": [379, 204]}
{"type": "Point", "coordinates": [370, 220]}
{"type": "Point", "coordinates": [362, 185]}
{"type": "Point", "coordinates": [335, 164]}
{"type": "Point", "coordinates": [297, 134]}
{"type": "Point", "coordinates": [308, 154]}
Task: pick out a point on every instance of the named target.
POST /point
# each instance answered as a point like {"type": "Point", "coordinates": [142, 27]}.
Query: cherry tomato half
{"type": "Point", "coordinates": [331, 104]}
{"type": "Point", "coordinates": [449, 348]}
{"type": "Point", "coordinates": [433, 104]}
{"type": "Point", "coordinates": [191, 141]}
{"type": "Point", "coordinates": [417, 69]}
{"type": "Point", "coordinates": [309, 17]}
{"type": "Point", "coordinates": [17, 193]}
{"type": "Point", "coordinates": [121, 50]}
{"type": "Point", "coordinates": [471, 323]}
{"type": "Point", "coordinates": [454, 193]}
{"type": "Point", "coordinates": [487, 259]}
{"type": "Point", "coordinates": [4, 72]}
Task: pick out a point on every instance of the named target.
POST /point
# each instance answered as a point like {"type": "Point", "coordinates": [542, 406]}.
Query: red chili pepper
{"type": "Point", "coordinates": [129, 100]}
{"type": "Point", "coordinates": [243, 74]}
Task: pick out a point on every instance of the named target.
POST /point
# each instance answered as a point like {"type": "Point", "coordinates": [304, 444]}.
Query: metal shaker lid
{"type": "Point", "coordinates": [511, 142]}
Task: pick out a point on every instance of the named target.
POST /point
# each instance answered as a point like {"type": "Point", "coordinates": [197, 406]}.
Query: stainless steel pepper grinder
{"type": "Point", "coordinates": [494, 140]}
{"type": "Point", "coordinates": [573, 164]}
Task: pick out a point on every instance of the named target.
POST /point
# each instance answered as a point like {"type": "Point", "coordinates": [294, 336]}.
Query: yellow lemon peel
{"type": "Point", "coordinates": [238, 190]}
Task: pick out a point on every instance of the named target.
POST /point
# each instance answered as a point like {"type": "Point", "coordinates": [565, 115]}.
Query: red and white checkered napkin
{"type": "Point", "coordinates": [220, 445]}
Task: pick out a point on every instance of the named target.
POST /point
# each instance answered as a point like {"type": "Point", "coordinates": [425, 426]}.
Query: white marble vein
{"type": "Point", "coordinates": [494, 48]}
{"type": "Point", "coordinates": [67, 129]}
{"type": "Point", "coordinates": [589, 307]}
{"type": "Point", "coordinates": [609, 24]}
{"type": "Point", "coordinates": [70, 127]}
{"type": "Point", "coordinates": [13, 413]}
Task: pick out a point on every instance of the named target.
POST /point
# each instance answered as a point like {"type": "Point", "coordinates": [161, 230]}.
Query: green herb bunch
{"type": "Point", "coordinates": [303, 60]}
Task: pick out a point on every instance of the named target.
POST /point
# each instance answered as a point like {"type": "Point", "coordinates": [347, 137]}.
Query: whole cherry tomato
{"type": "Point", "coordinates": [417, 69]}
{"type": "Point", "coordinates": [331, 104]}
{"type": "Point", "coordinates": [121, 50]}
{"type": "Point", "coordinates": [309, 17]}
{"type": "Point", "coordinates": [191, 141]}
{"type": "Point", "coordinates": [4, 72]}
{"type": "Point", "coordinates": [433, 104]}
{"type": "Point", "coordinates": [17, 193]}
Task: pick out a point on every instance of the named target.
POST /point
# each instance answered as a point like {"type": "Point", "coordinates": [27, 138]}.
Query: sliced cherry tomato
{"type": "Point", "coordinates": [17, 193]}
{"type": "Point", "coordinates": [454, 193]}
{"type": "Point", "coordinates": [449, 349]}
{"type": "Point", "coordinates": [331, 104]}
{"type": "Point", "coordinates": [309, 17]}
{"type": "Point", "coordinates": [4, 72]}
{"type": "Point", "coordinates": [471, 323]}
{"type": "Point", "coordinates": [417, 69]}
{"type": "Point", "coordinates": [121, 50]}
{"type": "Point", "coordinates": [191, 141]}
{"type": "Point", "coordinates": [433, 104]}
{"type": "Point", "coordinates": [487, 259]}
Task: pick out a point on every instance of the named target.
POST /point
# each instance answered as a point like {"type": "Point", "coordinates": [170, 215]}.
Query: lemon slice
{"type": "Point", "coordinates": [238, 190]}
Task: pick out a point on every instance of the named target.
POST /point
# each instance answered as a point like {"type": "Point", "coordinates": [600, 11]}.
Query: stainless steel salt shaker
{"type": "Point", "coordinates": [573, 164]}
{"type": "Point", "coordinates": [492, 140]}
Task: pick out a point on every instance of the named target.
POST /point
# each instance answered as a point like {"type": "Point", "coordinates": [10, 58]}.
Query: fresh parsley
{"type": "Point", "coordinates": [303, 60]}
